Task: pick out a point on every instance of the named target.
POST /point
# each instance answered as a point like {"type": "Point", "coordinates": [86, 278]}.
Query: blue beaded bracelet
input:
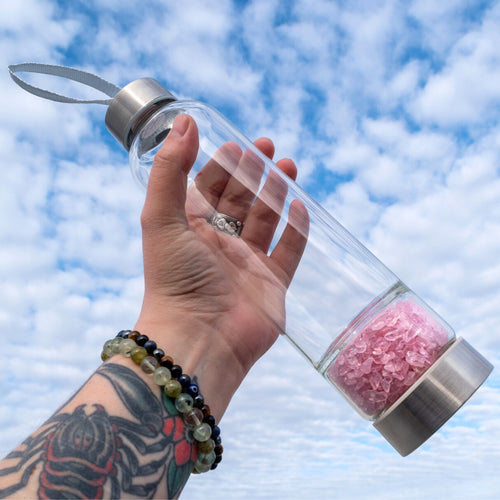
{"type": "Point", "coordinates": [178, 387]}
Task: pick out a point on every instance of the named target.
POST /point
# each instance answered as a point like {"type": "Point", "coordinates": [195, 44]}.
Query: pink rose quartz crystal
{"type": "Point", "coordinates": [388, 356]}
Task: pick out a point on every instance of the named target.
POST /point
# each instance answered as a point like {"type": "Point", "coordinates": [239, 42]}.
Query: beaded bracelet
{"type": "Point", "coordinates": [178, 387]}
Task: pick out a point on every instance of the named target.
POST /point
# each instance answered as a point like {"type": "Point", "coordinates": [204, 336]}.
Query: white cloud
{"type": "Point", "coordinates": [442, 23]}
{"type": "Point", "coordinates": [466, 90]}
{"type": "Point", "coordinates": [353, 208]}
{"type": "Point", "coordinates": [399, 100]}
{"type": "Point", "coordinates": [405, 81]}
{"type": "Point", "coordinates": [32, 30]}
{"type": "Point", "coordinates": [445, 244]}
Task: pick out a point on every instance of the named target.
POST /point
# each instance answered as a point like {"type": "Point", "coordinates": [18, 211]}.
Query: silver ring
{"type": "Point", "coordinates": [226, 224]}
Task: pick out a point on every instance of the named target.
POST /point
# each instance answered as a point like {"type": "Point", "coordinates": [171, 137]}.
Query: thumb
{"type": "Point", "coordinates": [166, 193]}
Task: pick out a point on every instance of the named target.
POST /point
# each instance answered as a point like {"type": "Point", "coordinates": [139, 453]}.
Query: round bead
{"type": "Point", "coordinates": [205, 410]}
{"type": "Point", "coordinates": [104, 356]}
{"type": "Point", "coordinates": [193, 390]}
{"type": "Point", "coordinates": [184, 403]}
{"type": "Point", "coordinates": [215, 432]}
{"type": "Point", "coordinates": [185, 381]}
{"type": "Point", "coordinates": [127, 346]}
{"type": "Point", "coordinates": [158, 354]}
{"type": "Point", "coordinates": [167, 362]}
{"type": "Point", "coordinates": [123, 333]}
{"type": "Point", "coordinates": [115, 344]}
{"type": "Point", "coordinates": [210, 420]}
{"type": "Point", "coordinates": [200, 468]}
{"type": "Point", "coordinates": [219, 449]}
{"type": "Point", "coordinates": [150, 346]}
{"type": "Point", "coordinates": [161, 375]}
{"type": "Point", "coordinates": [133, 335]}
{"type": "Point", "coordinates": [149, 365]}
{"type": "Point", "coordinates": [107, 348]}
{"type": "Point", "coordinates": [141, 339]}
{"type": "Point", "coordinates": [172, 388]}
{"type": "Point", "coordinates": [193, 418]}
{"type": "Point", "coordinates": [206, 446]}
{"type": "Point", "coordinates": [138, 354]}
{"type": "Point", "coordinates": [202, 432]}
{"type": "Point", "coordinates": [176, 371]}
{"type": "Point", "coordinates": [199, 401]}
{"type": "Point", "coordinates": [204, 461]}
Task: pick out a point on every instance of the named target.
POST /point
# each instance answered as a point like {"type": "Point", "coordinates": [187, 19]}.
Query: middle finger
{"type": "Point", "coordinates": [242, 187]}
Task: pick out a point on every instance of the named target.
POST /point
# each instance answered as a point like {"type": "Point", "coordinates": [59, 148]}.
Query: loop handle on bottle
{"type": "Point", "coordinates": [79, 76]}
{"type": "Point", "coordinates": [128, 107]}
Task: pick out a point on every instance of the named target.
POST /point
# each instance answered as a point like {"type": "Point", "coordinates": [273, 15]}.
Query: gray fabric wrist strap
{"type": "Point", "coordinates": [88, 79]}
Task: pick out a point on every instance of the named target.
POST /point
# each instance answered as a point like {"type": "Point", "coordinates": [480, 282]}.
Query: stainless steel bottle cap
{"type": "Point", "coordinates": [132, 106]}
{"type": "Point", "coordinates": [434, 398]}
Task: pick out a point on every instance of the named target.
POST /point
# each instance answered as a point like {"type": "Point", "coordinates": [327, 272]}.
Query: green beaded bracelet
{"type": "Point", "coordinates": [178, 387]}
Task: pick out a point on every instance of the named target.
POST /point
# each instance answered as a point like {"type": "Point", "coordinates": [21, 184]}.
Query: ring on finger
{"type": "Point", "coordinates": [226, 223]}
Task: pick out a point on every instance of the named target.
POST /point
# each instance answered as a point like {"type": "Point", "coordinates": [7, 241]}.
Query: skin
{"type": "Point", "coordinates": [214, 302]}
{"type": "Point", "coordinates": [200, 282]}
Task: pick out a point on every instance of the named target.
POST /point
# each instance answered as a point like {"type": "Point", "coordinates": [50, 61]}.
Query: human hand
{"type": "Point", "coordinates": [212, 298]}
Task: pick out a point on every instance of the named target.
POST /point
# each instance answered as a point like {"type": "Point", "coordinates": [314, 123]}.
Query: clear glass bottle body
{"type": "Point", "coordinates": [359, 326]}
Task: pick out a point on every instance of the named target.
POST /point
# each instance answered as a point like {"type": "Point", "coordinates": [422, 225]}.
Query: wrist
{"type": "Point", "coordinates": [179, 393]}
{"type": "Point", "coordinates": [199, 349]}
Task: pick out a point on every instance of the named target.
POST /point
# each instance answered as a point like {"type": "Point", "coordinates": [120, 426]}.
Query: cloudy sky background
{"type": "Point", "coordinates": [391, 110]}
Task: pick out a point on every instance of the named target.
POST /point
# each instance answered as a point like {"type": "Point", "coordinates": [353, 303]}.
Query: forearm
{"type": "Point", "coordinates": [115, 438]}
{"type": "Point", "coordinates": [213, 302]}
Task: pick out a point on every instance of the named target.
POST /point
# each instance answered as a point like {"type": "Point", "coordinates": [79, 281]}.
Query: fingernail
{"type": "Point", "coordinates": [180, 126]}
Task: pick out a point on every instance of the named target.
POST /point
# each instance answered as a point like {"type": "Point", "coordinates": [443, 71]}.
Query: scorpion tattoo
{"type": "Point", "coordinates": [87, 452]}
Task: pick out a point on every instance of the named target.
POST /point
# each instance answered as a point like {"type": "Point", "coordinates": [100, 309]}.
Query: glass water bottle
{"type": "Point", "coordinates": [394, 359]}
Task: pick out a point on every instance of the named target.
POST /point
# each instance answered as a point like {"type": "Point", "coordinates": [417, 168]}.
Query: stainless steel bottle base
{"type": "Point", "coordinates": [435, 398]}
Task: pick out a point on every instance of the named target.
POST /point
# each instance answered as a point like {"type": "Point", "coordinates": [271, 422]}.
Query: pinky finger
{"type": "Point", "coordinates": [287, 254]}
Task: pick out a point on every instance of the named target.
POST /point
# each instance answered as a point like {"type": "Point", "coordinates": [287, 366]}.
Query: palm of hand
{"type": "Point", "coordinates": [229, 283]}
{"type": "Point", "coordinates": [220, 280]}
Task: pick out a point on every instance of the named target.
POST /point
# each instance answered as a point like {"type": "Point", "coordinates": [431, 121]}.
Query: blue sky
{"type": "Point", "coordinates": [391, 110]}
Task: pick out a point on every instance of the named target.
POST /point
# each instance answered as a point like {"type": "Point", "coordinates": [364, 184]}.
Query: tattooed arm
{"type": "Point", "coordinates": [127, 442]}
{"type": "Point", "coordinates": [213, 301]}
